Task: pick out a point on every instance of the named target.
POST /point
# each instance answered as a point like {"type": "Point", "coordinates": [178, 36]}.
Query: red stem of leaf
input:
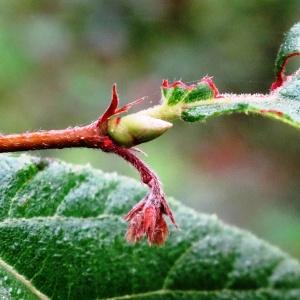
{"type": "Point", "coordinates": [280, 76]}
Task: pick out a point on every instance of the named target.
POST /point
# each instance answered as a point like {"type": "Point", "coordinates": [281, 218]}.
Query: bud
{"type": "Point", "coordinates": [135, 129]}
{"type": "Point", "coordinates": [147, 219]}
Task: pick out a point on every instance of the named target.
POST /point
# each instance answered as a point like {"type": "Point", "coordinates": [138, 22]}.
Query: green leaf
{"type": "Point", "coordinates": [62, 237]}
{"type": "Point", "coordinates": [200, 101]}
{"type": "Point", "coordinates": [283, 104]}
{"type": "Point", "coordinates": [177, 94]}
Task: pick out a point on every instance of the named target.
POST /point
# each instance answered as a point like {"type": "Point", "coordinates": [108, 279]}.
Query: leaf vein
{"type": "Point", "coordinates": [19, 277]}
{"type": "Point", "coordinates": [40, 168]}
{"type": "Point", "coordinates": [198, 292]}
{"type": "Point", "coordinates": [71, 189]}
{"type": "Point", "coordinates": [173, 266]}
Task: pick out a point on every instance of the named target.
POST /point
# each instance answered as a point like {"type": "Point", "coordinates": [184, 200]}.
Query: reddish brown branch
{"type": "Point", "coordinates": [146, 217]}
{"type": "Point", "coordinates": [87, 136]}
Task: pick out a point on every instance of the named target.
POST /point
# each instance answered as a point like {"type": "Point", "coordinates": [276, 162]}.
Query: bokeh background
{"type": "Point", "coordinates": [58, 60]}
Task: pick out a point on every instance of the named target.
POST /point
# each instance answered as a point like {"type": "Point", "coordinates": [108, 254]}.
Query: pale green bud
{"type": "Point", "coordinates": [135, 129]}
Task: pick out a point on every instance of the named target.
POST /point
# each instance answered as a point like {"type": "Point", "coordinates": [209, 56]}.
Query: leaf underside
{"type": "Point", "coordinates": [283, 105]}
{"type": "Point", "coordinates": [62, 237]}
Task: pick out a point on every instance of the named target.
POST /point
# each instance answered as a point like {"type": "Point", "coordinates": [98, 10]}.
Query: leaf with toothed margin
{"type": "Point", "coordinates": [62, 237]}
{"type": "Point", "coordinates": [282, 104]}
{"type": "Point", "coordinates": [198, 102]}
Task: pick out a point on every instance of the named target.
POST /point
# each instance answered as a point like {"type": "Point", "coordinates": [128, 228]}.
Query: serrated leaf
{"type": "Point", "coordinates": [283, 104]}
{"type": "Point", "coordinates": [200, 101]}
{"type": "Point", "coordinates": [62, 237]}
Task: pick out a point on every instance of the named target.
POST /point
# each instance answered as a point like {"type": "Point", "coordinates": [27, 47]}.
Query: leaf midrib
{"type": "Point", "coordinates": [165, 291]}
{"type": "Point", "coordinates": [58, 218]}
{"type": "Point", "coordinates": [20, 278]}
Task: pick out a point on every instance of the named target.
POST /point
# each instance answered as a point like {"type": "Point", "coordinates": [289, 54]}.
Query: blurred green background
{"type": "Point", "coordinates": [58, 60]}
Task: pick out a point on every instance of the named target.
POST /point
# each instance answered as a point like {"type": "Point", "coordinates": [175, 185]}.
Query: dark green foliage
{"type": "Point", "coordinates": [63, 230]}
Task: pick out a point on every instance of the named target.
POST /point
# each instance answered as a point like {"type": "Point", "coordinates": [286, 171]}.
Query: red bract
{"type": "Point", "coordinates": [146, 217]}
{"type": "Point", "coordinates": [207, 79]}
{"type": "Point", "coordinates": [113, 108]}
{"type": "Point", "coordinates": [166, 84]}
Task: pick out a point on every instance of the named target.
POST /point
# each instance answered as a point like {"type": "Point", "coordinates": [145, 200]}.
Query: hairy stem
{"type": "Point", "coordinates": [146, 217]}
{"type": "Point", "coordinates": [148, 177]}
{"type": "Point", "coordinates": [86, 136]}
